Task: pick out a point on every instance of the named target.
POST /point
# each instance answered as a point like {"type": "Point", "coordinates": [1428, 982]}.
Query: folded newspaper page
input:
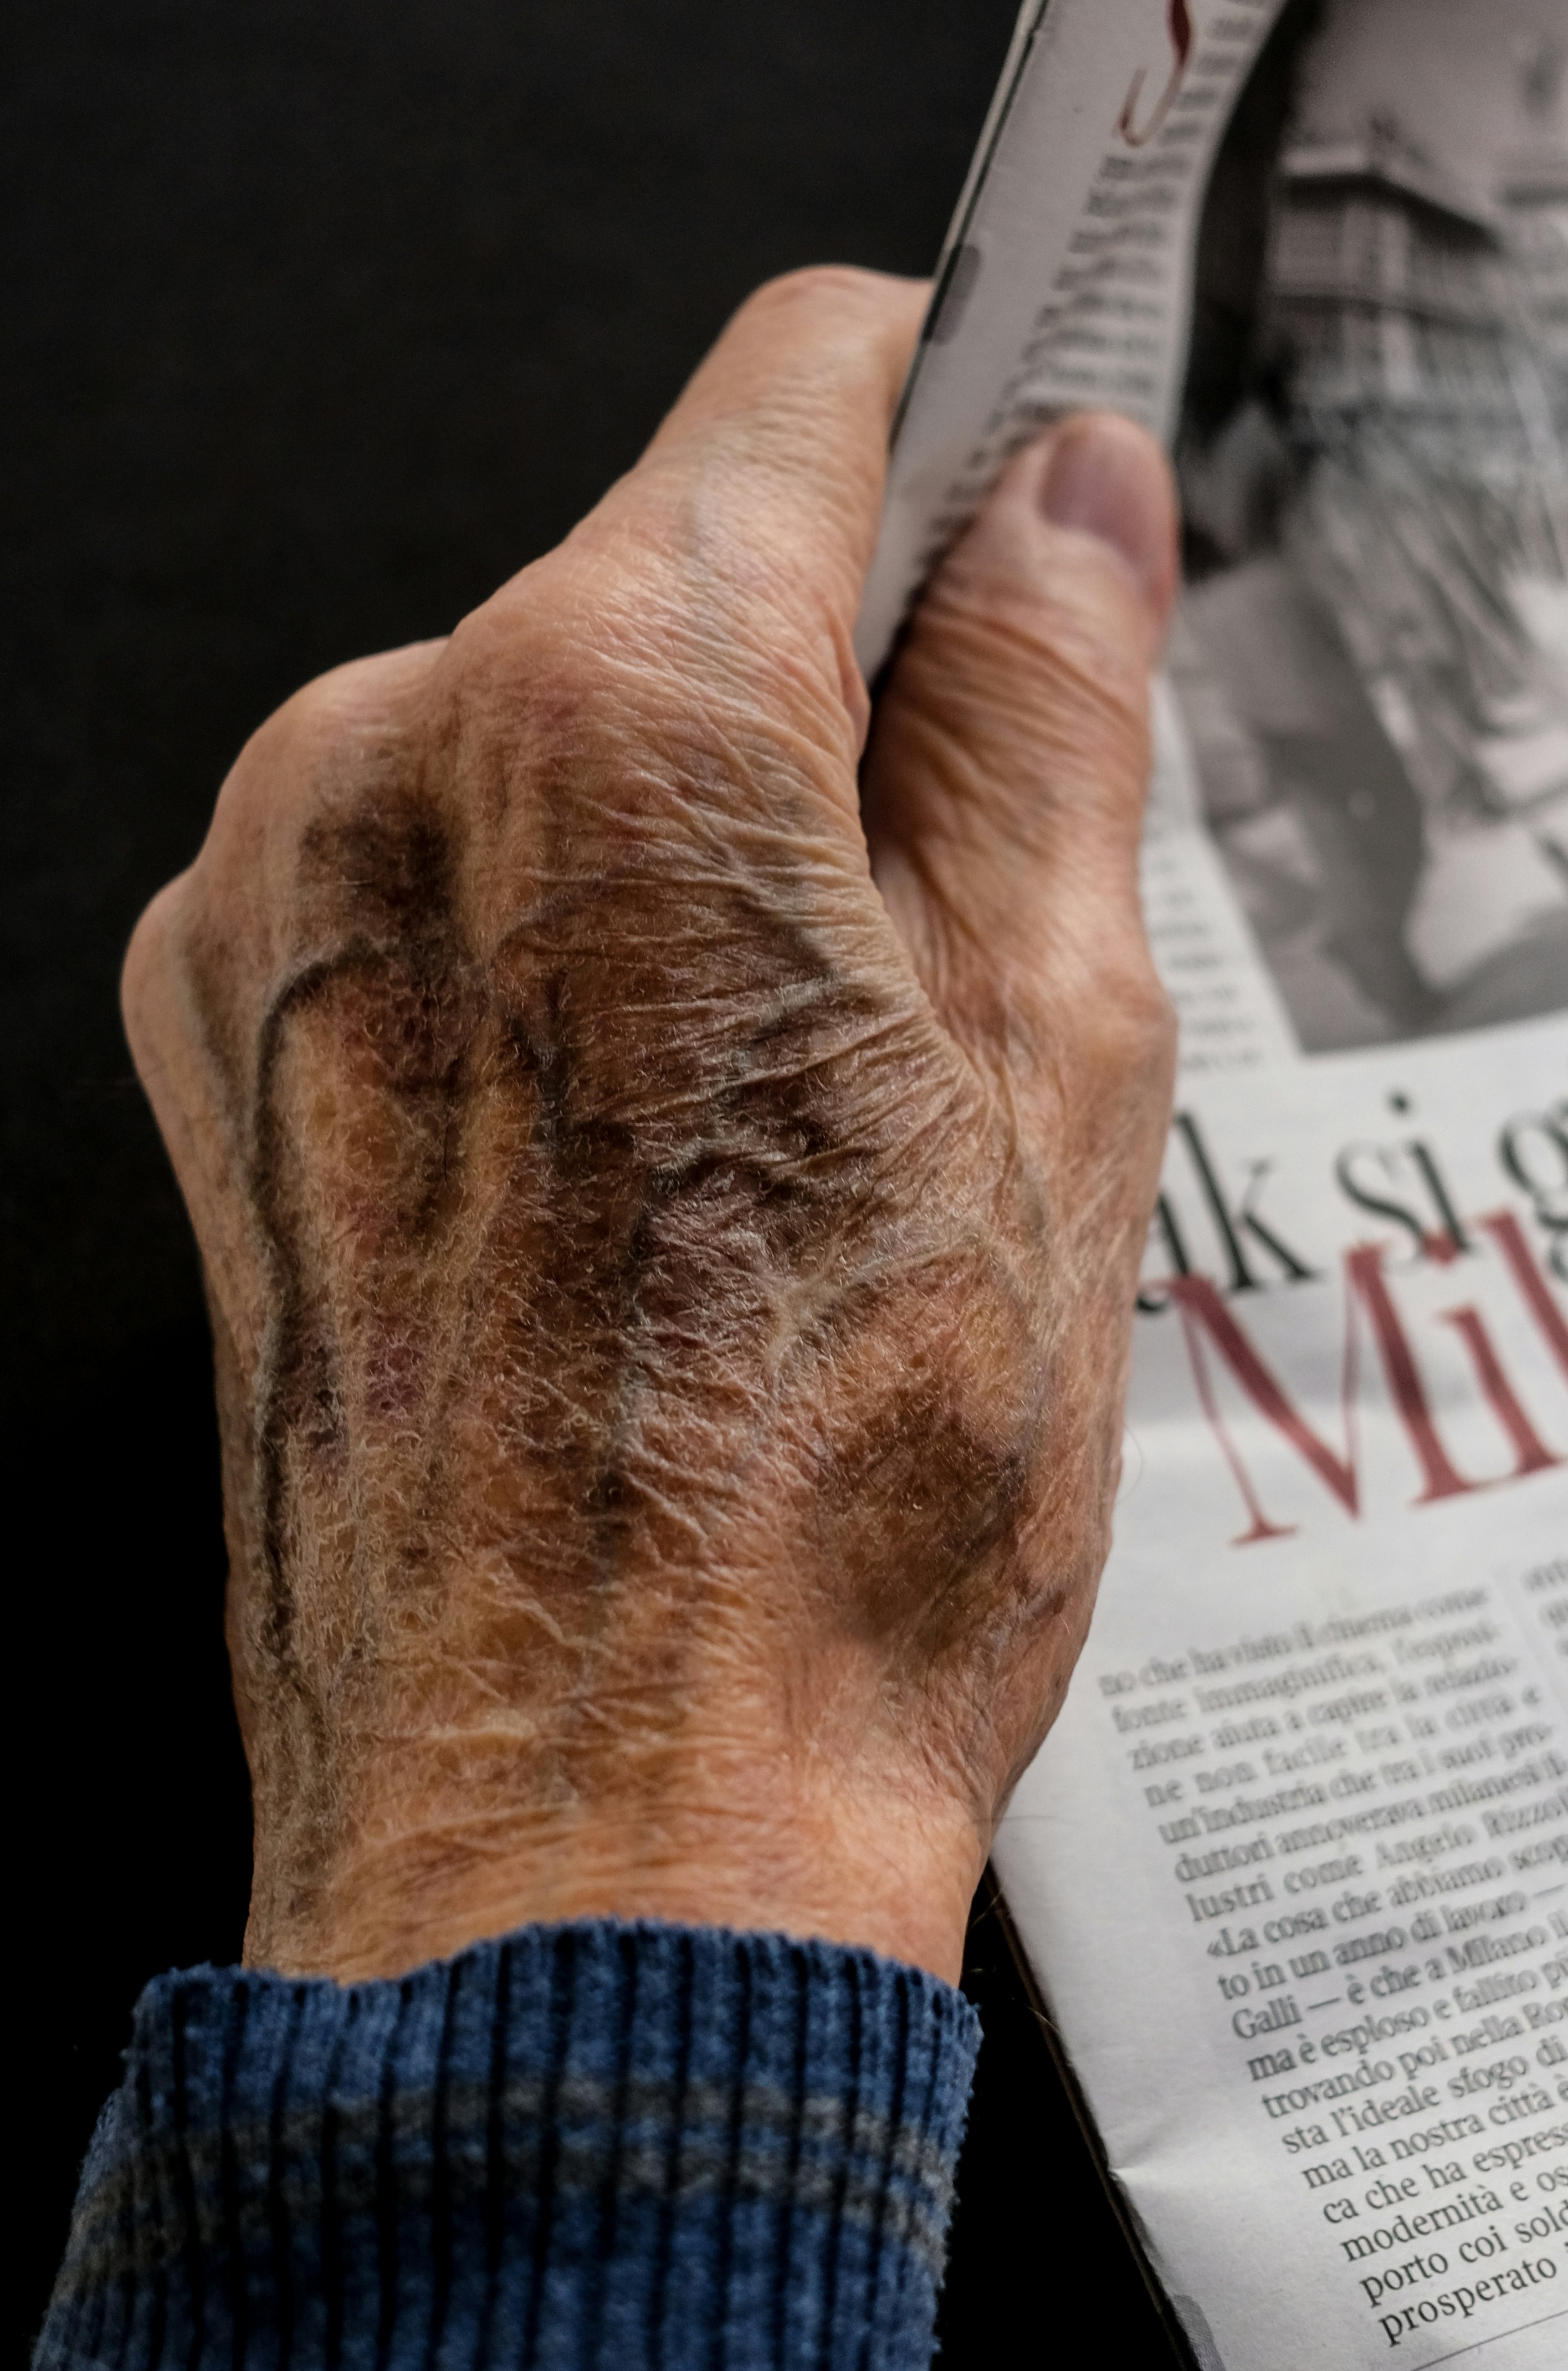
{"type": "Point", "coordinates": [1291, 1872]}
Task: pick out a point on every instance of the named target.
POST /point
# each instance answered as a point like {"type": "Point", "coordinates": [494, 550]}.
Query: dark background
{"type": "Point", "coordinates": [325, 318]}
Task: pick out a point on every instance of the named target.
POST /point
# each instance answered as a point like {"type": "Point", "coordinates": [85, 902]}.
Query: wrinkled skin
{"type": "Point", "coordinates": [670, 1244]}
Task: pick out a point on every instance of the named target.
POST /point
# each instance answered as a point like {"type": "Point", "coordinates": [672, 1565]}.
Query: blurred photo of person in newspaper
{"type": "Point", "coordinates": [1377, 500]}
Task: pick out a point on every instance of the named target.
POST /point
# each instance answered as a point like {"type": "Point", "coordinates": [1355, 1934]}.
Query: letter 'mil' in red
{"type": "Point", "coordinates": [1206, 1318]}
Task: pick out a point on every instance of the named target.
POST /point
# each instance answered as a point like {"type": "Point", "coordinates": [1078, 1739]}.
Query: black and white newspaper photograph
{"type": "Point", "coordinates": [1374, 491]}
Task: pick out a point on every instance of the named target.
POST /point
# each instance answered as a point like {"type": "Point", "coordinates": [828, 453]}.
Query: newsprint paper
{"type": "Point", "coordinates": [1291, 1873]}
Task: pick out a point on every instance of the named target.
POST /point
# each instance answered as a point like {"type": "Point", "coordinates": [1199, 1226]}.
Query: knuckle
{"type": "Point", "coordinates": [561, 641]}
{"type": "Point", "coordinates": [608, 661]}
{"type": "Point", "coordinates": [331, 708]}
{"type": "Point", "coordinates": [538, 707]}
{"type": "Point", "coordinates": [323, 821]}
{"type": "Point", "coordinates": [537, 638]}
{"type": "Point", "coordinates": [329, 733]}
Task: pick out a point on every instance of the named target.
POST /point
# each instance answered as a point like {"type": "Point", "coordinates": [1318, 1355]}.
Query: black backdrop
{"type": "Point", "coordinates": [324, 318]}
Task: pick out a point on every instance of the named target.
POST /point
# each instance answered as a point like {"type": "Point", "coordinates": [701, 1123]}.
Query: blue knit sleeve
{"type": "Point", "coordinates": [584, 2146]}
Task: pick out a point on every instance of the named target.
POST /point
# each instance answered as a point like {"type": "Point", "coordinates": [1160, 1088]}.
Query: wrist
{"type": "Point", "coordinates": [888, 1879]}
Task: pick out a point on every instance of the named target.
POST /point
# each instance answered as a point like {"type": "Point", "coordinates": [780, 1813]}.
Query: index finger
{"type": "Point", "coordinates": [777, 447]}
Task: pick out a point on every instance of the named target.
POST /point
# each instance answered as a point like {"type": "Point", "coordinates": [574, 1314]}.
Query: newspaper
{"type": "Point", "coordinates": [1291, 1872]}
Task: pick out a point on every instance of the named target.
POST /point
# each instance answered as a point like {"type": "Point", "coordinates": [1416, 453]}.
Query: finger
{"type": "Point", "coordinates": [768, 472]}
{"type": "Point", "coordinates": [1009, 763]}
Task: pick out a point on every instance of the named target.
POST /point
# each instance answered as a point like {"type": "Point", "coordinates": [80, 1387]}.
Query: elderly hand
{"type": "Point", "coordinates": [671, 1198]}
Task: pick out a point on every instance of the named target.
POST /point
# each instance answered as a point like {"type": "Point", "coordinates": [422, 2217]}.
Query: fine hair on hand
{"type": "Point", "coordinates": [671, 1178]}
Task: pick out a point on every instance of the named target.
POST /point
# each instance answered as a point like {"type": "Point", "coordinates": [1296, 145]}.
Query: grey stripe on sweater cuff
{"type": "Point", "coordinates": [587, 2144]}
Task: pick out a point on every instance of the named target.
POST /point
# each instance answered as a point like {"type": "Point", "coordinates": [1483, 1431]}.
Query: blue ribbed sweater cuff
{"type": "Point", "coordinates": [594, 2144]}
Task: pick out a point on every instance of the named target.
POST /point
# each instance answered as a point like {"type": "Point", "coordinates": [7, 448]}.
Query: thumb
{"type": "Point", "coordinates": [1004, 778]}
